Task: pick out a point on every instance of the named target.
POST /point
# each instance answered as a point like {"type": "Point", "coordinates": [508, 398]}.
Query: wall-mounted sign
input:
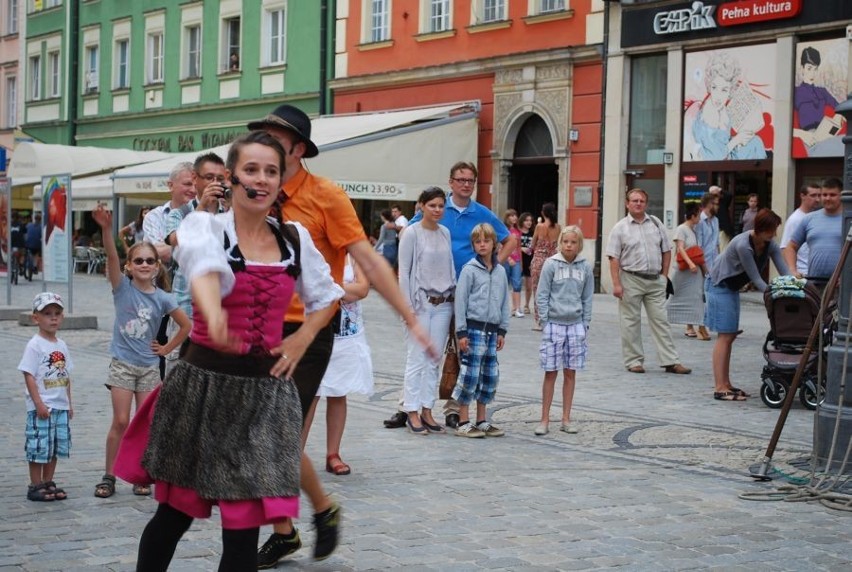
{"type": "Point", "coordinates": [379, 191]}
{"type": "Point", "coordinates": [644, 25]}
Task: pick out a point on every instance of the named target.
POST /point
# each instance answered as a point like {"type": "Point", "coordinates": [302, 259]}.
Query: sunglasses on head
{"type": "Point", "coordinates": [148, 261]}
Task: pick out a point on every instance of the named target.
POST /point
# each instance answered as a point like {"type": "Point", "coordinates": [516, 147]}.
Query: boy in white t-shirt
{"type": "Point", "coordinates": [46, 366]}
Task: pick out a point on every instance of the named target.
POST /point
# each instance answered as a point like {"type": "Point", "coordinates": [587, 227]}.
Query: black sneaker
{"type": "Point", "coordinates": [397, 420]}
{"type": "Point", "coordinates": [327, 525]}
{"type": "Point", "coordinates": [277, 547]}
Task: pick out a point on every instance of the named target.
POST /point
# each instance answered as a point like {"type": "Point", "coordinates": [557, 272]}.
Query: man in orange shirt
{"type": "Point", "coordinates": [327, 212]}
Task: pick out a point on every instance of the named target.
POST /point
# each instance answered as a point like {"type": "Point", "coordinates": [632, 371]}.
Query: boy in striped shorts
{"type": "Point", "coordinates": [482, 316]}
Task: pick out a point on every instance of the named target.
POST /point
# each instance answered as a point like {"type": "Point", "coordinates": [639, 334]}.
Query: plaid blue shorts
{"type": "Point", "coordinates": [49, 438]}
{"type": "Point", "coordinates": [563, 346]}
{"type": "Point", "coordinates": [479, 373]}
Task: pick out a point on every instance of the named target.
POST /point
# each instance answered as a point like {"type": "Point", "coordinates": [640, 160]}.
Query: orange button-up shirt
{"type": "Point", "coordinates": [327, 212]}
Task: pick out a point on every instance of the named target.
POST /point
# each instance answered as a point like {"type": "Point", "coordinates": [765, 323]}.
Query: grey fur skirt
{"type": "Point", "coordinates": [226, 436]}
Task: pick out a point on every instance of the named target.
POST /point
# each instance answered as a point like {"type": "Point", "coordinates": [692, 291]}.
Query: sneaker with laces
{"type": "Point", "coordinates": [277, 547]}
{"type": "Point", "coordinates": [327, 525]}
{"type": "Point", "coordinates": [518, 314]}
{"type": "Point", "coordinates": [490, 430]}
{"type": "Point", "coordinates": [469, 430]}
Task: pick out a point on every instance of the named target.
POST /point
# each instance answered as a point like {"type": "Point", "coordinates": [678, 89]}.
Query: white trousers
{"type": "Point", "coordinates": [420, 388]}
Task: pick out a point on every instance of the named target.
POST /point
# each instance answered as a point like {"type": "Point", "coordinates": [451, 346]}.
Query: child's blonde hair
{"type": "Point", "coordinates": [574, 229]}
{"type": "Point", "coordinates": [162, 280]}
{"type": "Point", "coordinates": [483, 230]}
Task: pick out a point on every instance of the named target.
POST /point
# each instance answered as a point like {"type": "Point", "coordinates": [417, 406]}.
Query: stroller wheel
{"type": "Point", "coordinates": [773, 392]}
{"type": "Point", "coordinates": [811, 394]}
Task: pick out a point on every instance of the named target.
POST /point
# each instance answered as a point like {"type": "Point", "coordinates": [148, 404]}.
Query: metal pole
{"type": "Point", "coordinates": [836, 404]}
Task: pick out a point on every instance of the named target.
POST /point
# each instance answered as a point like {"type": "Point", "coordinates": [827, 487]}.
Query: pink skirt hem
{"type": "Point", "coordinates": [235, 514]}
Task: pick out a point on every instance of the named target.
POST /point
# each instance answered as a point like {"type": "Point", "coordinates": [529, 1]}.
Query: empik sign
{"type": "Point", "coordinates": [703, 17]}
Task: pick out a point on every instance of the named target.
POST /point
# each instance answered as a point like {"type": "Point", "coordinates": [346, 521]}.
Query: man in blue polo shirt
{"type": "Point", "coordinates": [461, 214]}
{"type": "Point", "coordinates": [822, 231]}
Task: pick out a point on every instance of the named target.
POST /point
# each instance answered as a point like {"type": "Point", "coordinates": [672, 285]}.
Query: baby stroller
{"type": "Point", "coordinates": [792, 306]}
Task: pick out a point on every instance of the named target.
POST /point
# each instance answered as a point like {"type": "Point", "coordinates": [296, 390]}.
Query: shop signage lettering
{"type": "Point", "coordinates": [696, 17]}
{"type": "Point", "coordinates": [749, 11]}
{"type": "Point", "coordinates": [357, 190]}
{"type": "Point", "coordinates": [701, 17]}
{"type": "Point", "coordinates": [185, 143]}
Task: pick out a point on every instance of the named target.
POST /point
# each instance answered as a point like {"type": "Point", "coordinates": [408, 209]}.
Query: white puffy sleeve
{"type": "Point", "coordinates": [315, 286]}
{"type": "Point", "coordinates": [201, 239]}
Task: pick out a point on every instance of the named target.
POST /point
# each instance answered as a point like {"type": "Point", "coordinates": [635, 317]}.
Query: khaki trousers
{"type": "Point", "coordinates": [640, 292]}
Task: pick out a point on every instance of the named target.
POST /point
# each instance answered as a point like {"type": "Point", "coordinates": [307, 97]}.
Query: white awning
{"type": "Point", "coordinates": [32, 161]}
{"type": "Point", "coordinates": [384, 155]}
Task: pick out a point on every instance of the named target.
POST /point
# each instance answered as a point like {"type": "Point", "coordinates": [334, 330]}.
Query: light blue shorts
{"type": "Point", "coordinates": [723, 308]}
{"type": "Point", "coordinates": [48, 438]}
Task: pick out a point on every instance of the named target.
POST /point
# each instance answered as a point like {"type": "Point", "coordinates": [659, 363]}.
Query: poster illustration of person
{"type": "Point", "coordinates": [820, 84]}
{"type": "Point", "coordinates": [729, 104]}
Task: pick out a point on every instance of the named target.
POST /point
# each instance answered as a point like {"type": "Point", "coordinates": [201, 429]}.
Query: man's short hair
{"type": "Point", "coordinates": [715, 189]}
{"type": "Point", "coordinates": [635, 190]}
{"type": "Point", "coordinates": [207, 158]}
{"type": "Point", "coordinates": [707, 198]}
{"type": "Point", "coordinates": [803, 190]}
{"type": "Point", "coordinates": [752, 195]}
{"type": "Point", "coordinates": [832, 183]}
{"type": "Point", "coordinates": [396, 207]}
{"type": "Point", "coordinates": [180, 168]}
{"type": "Point", "coordinates": [464, 165]}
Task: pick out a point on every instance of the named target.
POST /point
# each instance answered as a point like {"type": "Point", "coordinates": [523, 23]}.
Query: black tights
{"type": "Point", "coordinates": [161, 535]}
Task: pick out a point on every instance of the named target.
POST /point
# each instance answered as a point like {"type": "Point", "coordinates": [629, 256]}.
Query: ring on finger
{"type": "Point", "coordinates": [284, 356]}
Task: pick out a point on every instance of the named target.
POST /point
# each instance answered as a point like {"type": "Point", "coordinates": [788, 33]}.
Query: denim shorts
{"type": "Point", "coordinates": [723, 308]}
{"type": "Point", "coordinates": [513, 273]}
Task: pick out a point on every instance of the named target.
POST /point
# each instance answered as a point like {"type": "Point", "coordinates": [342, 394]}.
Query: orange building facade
{"type": "Point", "coordinates": [532, 66]}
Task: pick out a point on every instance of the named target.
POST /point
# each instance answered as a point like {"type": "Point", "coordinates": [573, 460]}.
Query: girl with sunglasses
{"type": "Point", "coordinates": [141, 300]}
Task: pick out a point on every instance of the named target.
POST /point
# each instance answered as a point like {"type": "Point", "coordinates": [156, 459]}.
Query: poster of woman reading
{"type": "Point", "coordinates": [820, 84]}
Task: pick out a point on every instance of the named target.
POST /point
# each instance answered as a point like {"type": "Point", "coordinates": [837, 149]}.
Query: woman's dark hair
{"type": "Point", "coordinates": [431, 193]}
{"type": "Point", "coordinates": [140, 218]}
{"type": "Point", "coordinates": [386, 214]}
{"type": "Point", "coordinates": [522, 217]}
{"type": "Point", "coordinates": [765, 220]}
{"type": "Point", "coordinates": [249, 138]}
{"type": "Point", "coordinates": [548, 210]}
{"type": "Point", "coordinates": [810, 56]}
{"type": "Point", "coordinates": [691, 210]}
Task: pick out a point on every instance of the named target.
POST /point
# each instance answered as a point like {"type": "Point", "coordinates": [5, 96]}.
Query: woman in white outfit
{"type": "Point", "coordinates": [427, 279]}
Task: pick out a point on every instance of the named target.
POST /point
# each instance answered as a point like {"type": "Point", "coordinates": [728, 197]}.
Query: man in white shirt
{"type": "Point", "coordinates": [809, 199]}
{"type": "Point", "coordinates": [182, 187]}
{"type": "Point", "coordinates": [399, 220]}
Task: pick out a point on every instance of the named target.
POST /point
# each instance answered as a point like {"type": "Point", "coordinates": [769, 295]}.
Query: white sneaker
{"type": "Point", "coordinates": [518, 314]}
{"type": "Point", "coordinates": [469, 430]}
{"type": "Point", "coordinates": [490, 430]}
{"type": "Point", "coordinates": [542, 429]}
{"type": "Point", "coordinates": [568, 428]}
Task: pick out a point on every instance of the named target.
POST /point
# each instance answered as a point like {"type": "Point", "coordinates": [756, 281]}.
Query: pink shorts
{"type": "Point", "coordinates": [235, 514]}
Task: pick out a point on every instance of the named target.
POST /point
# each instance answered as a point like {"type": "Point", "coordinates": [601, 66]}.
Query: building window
{"type": "Point", "coordinates": [231, 44]}
{"type": "Point", "coordinates": [11, 101]}
{"type": "Point", "coordinates": [90, 83]}
{"type": "Point", "coordinates": [11, 16]}
{"type": "Point", "coordinates": [492, 11]}
{"type": "Point", "coordinates": [155, 57]}
{"type": "Point", "coordinates": [35, 77]}
{"type": "Point", "coordinates": [647, 138]}
{"type": "Point", "coordinates": [53, 74]}
{"type": "Point", "coordinates": [193, 51]}
{"type": "Point", "coordinates": [551, 6]}
{"type": "Point", "coordinates": [122, 64]}
{"type": "Point", "coordinates": [439, 15]}
{"type": "Point", "coordinates": [379, 20]}
{"type": "Point", "coordinates": [275, 37]}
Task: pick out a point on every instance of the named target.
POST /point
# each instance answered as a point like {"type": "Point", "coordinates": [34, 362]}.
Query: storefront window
{"type": "Point", "coordinates": [647, 110]}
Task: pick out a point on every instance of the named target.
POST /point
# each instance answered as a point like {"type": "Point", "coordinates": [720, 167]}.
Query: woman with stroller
{"type": "Point", "coordinates": [747, 254]}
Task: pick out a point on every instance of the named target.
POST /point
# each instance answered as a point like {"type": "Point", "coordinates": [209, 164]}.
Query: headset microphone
{"type": "Point", "coordinates": [250, 193]}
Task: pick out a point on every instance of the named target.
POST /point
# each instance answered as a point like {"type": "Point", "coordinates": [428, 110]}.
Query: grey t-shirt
{"type": "Point", "coordinates": [137, 319]}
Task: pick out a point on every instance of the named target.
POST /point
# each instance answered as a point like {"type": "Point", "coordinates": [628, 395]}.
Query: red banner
{"type": "Point", "coordinates": [750, 11]}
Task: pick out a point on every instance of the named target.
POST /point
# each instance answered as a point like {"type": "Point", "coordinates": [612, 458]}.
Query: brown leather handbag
{"type": "Point", "coordinates": [695, 254]}
{"type": "Point", "coordinates": [450, 369]}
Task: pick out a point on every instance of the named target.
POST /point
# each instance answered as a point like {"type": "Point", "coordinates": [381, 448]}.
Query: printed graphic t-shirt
{"type": "Point", "coordinates": [137, 319]}
{"type": "Point", "coordinates": [50, 364]}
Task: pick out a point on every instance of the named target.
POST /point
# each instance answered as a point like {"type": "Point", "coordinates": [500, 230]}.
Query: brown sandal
{"type": "Point", "coordinates": [338, 468]}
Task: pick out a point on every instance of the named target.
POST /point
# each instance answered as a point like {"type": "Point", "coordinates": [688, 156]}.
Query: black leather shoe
{"type": "Point", "coordinates": [452, 420]}
{"type": "Point", "coordinates": [397, 420]}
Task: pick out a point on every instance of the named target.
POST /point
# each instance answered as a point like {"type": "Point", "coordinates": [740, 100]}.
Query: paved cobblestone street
{"type": "Point", "coordinates": [651, 481]}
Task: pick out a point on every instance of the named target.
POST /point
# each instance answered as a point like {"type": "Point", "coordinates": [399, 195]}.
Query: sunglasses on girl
{"type": "Point", "coordinates": [148, 261]}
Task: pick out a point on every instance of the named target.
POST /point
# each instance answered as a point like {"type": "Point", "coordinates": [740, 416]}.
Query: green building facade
{"type": "Point", "coordinates": [166, 75]}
